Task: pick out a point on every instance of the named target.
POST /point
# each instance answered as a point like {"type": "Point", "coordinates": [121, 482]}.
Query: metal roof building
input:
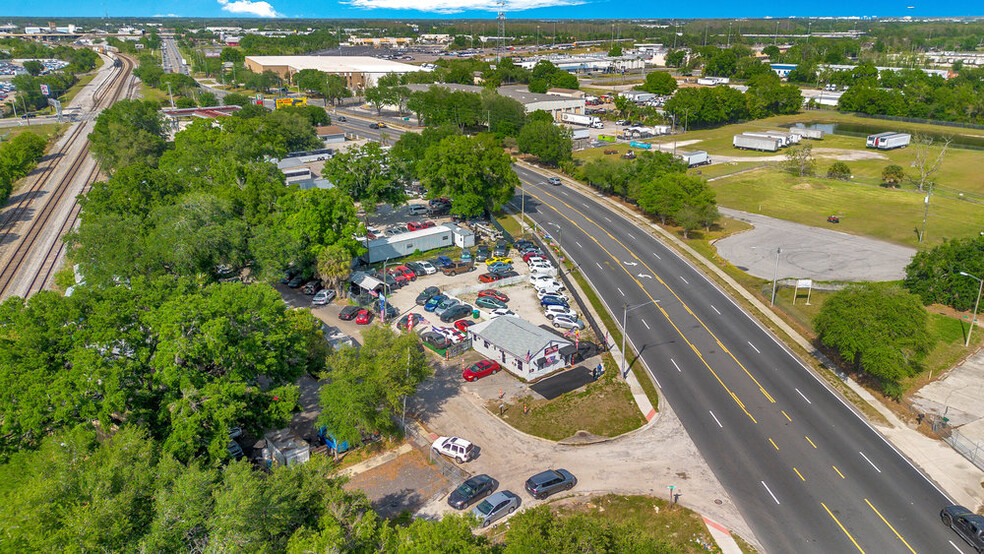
{"type": "Point", "coordinates": [359, 71]}
{"type": "Point", "coordinates": [520, 347]}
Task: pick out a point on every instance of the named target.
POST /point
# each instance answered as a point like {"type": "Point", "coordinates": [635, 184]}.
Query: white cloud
{"type": "Point", "coordinates": [166, 15]}
{"type": "Point", "coordinates": [456, 6]}
{"type": "Point", "coordinates": [259, 9]}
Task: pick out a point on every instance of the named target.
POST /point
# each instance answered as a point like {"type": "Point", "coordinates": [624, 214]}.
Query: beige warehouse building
{"type": "Point", "coordinates": [359, 71]}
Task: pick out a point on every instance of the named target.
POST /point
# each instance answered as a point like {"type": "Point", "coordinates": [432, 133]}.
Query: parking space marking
{"type": "Point", "coordinates": [800, 474]}
{"type": "Point", "coordinates": [957, 548]}
{"type": "Point", "coordinates": [644, 323]}
{"type": "Point", "coordinates": [774, 443]}
{"type": "Point", "coordinates": [839, 472]}
{"type": "Point", "coordinates": [672, 361]}
{"type": "Point", "coordinates": [599, 265]}
{"type": "Point", "coordinates": [715, 309]}
{"type": "Point", "coordinates": [809, 441]}
{"type": "Point", "coordinates": [755, 349]}
{"type": "Point", "coordinates": [715, 419]}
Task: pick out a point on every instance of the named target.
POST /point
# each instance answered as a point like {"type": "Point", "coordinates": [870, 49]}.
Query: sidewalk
{"type": "Point", "coordinates": [948, 469]}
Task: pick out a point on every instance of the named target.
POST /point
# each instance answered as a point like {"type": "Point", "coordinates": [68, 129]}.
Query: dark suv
{"type": "Point", "coordinates": [549, 482]}
{"type": "Point", "coordinates": [967, 524]}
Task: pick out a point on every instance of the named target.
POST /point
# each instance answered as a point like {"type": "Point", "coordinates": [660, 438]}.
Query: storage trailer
{"type": "Point", "coordinates": [751, 142]}
{"type": "Point", "coordinates": [873, 139]}
{"type": "Point", "coordinates": [805, 132]}
{"type": "Point", "coordinates": [578, 119]}
{"type": "Point", "coordinates": [694, 159]}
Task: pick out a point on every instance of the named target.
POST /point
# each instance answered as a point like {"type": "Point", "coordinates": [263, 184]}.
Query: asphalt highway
{"type": "Point", "coordinates": [807, 472]}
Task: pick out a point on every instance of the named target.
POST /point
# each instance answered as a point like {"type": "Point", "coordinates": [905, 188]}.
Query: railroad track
{"type": "Point", "coordinates": [13, 272]}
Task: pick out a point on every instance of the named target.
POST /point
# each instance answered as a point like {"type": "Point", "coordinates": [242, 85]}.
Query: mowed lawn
{"type": "Point", "coordinates": [888, 214]}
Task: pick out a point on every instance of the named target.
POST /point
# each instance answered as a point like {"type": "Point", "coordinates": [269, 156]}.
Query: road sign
{"type": "Point", "coordinates": [44, 89]}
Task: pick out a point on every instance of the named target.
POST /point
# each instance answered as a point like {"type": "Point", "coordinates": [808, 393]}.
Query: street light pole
{"type": "Point", "coordinates": [625, 312]}
{"type": "Point", "coordinates": [973, 316]}
{"type": "Point", "coordinates": [775, 276]}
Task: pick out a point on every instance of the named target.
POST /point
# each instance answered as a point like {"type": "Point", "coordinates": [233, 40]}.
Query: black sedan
{"type": "Point", "coordinates": [549, 482]}
{"type": "Point", "coordinates": [471, 490]}
{"type": "Point", "coordinates": [416, 268]}
{"type": "Point", "coordinates": [436, 340]}
{"type": "Point", "coordinates": [454, 313]}
{"type": "Point", "coordinates": [348, 313]}
{"type": "Point", "coordinates": [427, 294]}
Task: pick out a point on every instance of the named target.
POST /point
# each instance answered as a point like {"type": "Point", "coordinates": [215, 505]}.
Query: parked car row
{"type": "Point", "coordinates": [496, 504]}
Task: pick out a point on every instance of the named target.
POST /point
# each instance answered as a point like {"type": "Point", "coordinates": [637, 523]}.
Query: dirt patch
{"type": "Point", "coordinates": [405, 483]}
{"type": "Point", "coordinates": [805, 185]}
{"type": "Point", "coordinates": [848, 155]}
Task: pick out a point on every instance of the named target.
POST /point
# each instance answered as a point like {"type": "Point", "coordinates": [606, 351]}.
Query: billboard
{"type": "Point", "coordinates": [44, 89]}
{"type": "Point", "coordinates": [288, 102]}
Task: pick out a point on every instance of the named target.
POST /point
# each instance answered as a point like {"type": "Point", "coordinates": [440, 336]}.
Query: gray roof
{"type": "Point", "coordinates": [516, 336]}
{"type": "Point", "coordinates": [519, 93]}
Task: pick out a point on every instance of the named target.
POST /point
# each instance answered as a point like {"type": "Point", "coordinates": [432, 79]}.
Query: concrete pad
{"type": "Point", "coordinates": [810, 252]}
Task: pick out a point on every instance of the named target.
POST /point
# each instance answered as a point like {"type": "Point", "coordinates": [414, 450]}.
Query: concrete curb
{"type": "Point", "coordinates": [376, 461]}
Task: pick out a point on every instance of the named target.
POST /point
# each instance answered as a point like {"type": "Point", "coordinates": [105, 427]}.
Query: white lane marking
{"type": "Point", "coordinates": [599, 265]}
{"type": "Point", "coordinates": [584, 204]}
{"type": "Point", "coordinates": [869, 461]}
{"type": "Point", "coordinates": [770, 492]}
{"type": "Point", "coordinates": [608, 219]}
{"type": "Point", "coordinates": [578, 244]}
{"type": "Point", "coordinates": [644, 323]}
{"type": "Point", "coordinates": [630, 236]}
{"type": "Point", "coordinates": [672, 361]}
{"type": "Point", "coordinates": [684, 280]}
{"type": "Point", "coordinates": [645, 276]}
{"type": "Point", "coordinates": [630, 263]}
{"type": "Point", "coordinates": [715, 309]}
{"type": "Point", "coordinates": [657, 382]}
{"type": "Point", "coordinates": [753, 347]}
{"type": "Point", "coordinates": [715, 419]}
{"type": "Point", "coordinates": [804, 396]}
{"type": "Point", "coordinates": [956, 547]}
{"type": "Point", "coordinates": [657, 256]}
{"type": "Point", "coordinates": [620, 291]}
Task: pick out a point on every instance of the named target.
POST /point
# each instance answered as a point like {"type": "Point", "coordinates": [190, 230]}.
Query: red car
{"type": "Point", "coordinates": [418, 225]}
{"type": "Point", "coordinates": [364, 317]}
{"type": "Point", "coordinates": [463, 325]}
{"type": "Point", "coordinates": [401, 279]}
{"type": "Point", "coordinates": [489, 277]}
{"type": "Point", "coordinates": [492, 293]}
{"type": "Point", "coordinates": [480, 369]}
{"type": "Point", "coordinates": [530, 255]}
{"type": "Point", "coordinates": [406, 271]}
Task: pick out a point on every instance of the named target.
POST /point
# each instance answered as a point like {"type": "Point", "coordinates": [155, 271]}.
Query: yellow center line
{"type": "Point", "coordinates": [785, 414]}
{"type": "Point", "coordinates": [774, 444]}
{"type": "Point", "coordinates": [660, 279]}
{"type": "Point", "coordinates": [842, 528]}
{"type": "Point", "coordinates": [890, 527]}
{"type": "Point", "coordinates": [655, 303]}
{"type": "Point", "coordinates": [800, 474]}
{"type": "Point", "coordinates": [811, 442]}
{"type": "Point", "coordinates": [839, 472]}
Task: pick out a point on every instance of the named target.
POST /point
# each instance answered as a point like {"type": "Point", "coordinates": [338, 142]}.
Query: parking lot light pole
{"type": "Point", "coordinates": [625, 312]}
{"type": "Point", "coordinates": [977, 303]}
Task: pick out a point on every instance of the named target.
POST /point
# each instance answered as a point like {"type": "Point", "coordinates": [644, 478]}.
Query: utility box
{"type": "Point", "coordinates": [286, 448]}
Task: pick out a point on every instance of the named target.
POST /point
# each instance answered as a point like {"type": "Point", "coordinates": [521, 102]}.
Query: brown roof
{"type": "Point", "coordinates": [329, 130]}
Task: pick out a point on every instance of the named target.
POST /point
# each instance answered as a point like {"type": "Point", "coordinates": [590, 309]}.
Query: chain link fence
{"type": "Point", "coordinates": [967, 448]}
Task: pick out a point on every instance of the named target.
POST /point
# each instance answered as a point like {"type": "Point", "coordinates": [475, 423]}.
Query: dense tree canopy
{"type": "Point", "coordinates": [473, 172]}
{"type": "Point", "coordinates": [880, 329]}
{"type": "Point", "coordinates": [934, 275]}
{"type": "Point", "coordinates": [17, 158]}
{"type": "Point", "coordinates": [659, 82]}
{"type": "Point", "coordinates": [550, 143]}
{"type": "Point", "coordinates": [128, 132]}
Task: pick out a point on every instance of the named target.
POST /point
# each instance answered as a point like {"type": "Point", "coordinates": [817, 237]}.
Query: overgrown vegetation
{"type": "Point", "coordinates": [17, 158]}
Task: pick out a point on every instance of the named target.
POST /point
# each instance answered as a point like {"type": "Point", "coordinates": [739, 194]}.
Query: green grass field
{"type": "Point", "coordinates": [888, 214]}
{"type": "Point", "coordinates": [48, 130]}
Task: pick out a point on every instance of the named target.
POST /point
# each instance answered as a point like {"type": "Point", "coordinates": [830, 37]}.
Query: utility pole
{"type": "Point", "coordinates": [775, 277]}
{"type": "Point", "coordinates": [973, 315]}
{"type": "Point", "coordinates": [775, 39]}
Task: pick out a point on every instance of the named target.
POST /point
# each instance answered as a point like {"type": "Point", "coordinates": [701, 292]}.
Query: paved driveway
{"type": "Point", "coordinates": [810, 252]}
{"type": "Point", "coordinates": [646, 461]}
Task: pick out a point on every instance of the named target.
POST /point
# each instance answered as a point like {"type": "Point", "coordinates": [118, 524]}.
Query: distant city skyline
{"type": "Point", "coordinates": [484, 9]}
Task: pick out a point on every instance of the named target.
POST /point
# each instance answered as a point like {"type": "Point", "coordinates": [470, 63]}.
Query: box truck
{"type": "Point", "coordinates": [750, 142]}
{"type": "Point", "coordinates": [892, 141]}
{"type": "Point", "coordinates": [694, 159]}
{"type": "Point", "coordinates": [586, 120]}
{"type": "Point", "coordinates": [873, 139]}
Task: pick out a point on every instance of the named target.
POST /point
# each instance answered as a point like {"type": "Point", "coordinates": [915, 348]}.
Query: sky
{"type": "Point", "coordinates": [485, 9]}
